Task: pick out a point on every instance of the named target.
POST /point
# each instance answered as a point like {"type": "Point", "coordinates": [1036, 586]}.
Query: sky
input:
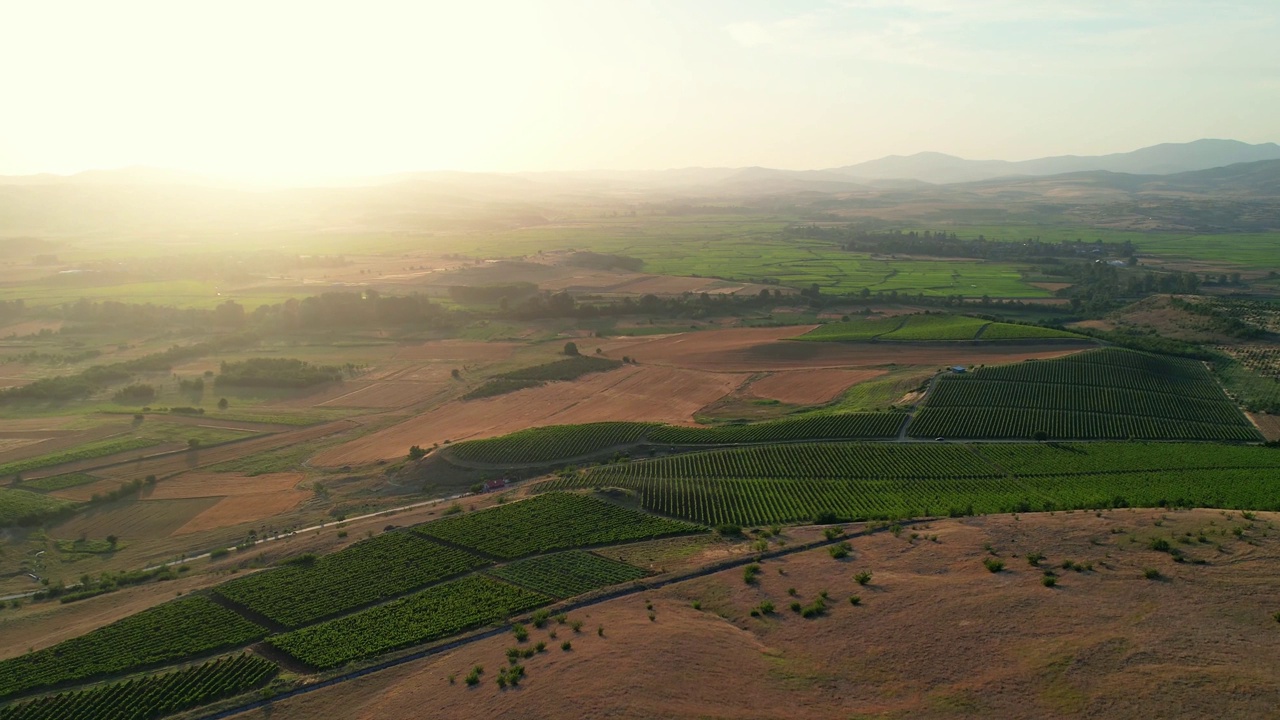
{"type": "Point", "coordinates": [298, 91]}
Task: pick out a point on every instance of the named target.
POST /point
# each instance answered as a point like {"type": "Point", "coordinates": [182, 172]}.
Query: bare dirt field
{"type": "Point", "coordinates": [936, 635]}
{"type": "Point", "coordinates": [809, 387]}
{"type": "Point", "coordinates": [55, 440]}
{"type": "Point", "coordinates": [390, 394]}
{"type": "Point", "coordinates": [240, 509]}
{"type": "Point", "coordinates": [133, 519]}
{"type": "Point", "coordinates": [1268, 425]}
{"type": "Point", "coordinates": [193, 485]}
{"type": "Point", "coordinates": [760, 349]}
{"type": "Point", "coordinates": [639, 393]}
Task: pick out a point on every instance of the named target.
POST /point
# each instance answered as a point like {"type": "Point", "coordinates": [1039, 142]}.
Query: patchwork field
{"type": "Point", "coordinates": [633, 393]}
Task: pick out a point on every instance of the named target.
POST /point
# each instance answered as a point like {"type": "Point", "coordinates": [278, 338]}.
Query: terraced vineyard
{"type": "Point", "coordinates": [1013, 331]}
{"type": "Point", "coordinates": [550, 443]}
{"type": "Point", "coordinates": [567, 574]}
{"type": "Point", "coordinates": [432, 614]}
{"type": "Point", "coordinates": [381, 567]}
{"type": "Point", "coordinates": [562, 442]}
{"type": "Point", "coordinates": [791, 483]}
{"type": "Point", "coordinates": [817, 427]}
{"type": "Point", "coordinates": [550, 522]}
{"type": "Point", "coordinates": [1106, 394]}
{"type": "Point", "coordinates": [173, 631]}
{"type": "Point", "coordinates": [153, 696]}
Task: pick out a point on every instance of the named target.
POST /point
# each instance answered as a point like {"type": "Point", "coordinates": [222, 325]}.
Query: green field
{"type": "Point", "coordinates": [791, 483]}
{"type": "Point", "coordinates": [59, 482]}
{"type": "Point", "coordinates": [152, 696]}
{"type": "Point", "coordinates": [1100, 394]}
{"type": "Point", "coordinates": [930, 328]}
{"type": "Point", "coordinates": [563, 575]}
{"type": "Point", "coordinates": [432, 614]}
{"type": "Point", "coordinates": [565, 442]}
{"type": "Point", "coordinates": [174, 631]}
{"type": "Point", "coordinates": [384, 566]}
{"type": "Point", "coordinates": [20, 507]}
{"type": "Point", "coordinates": [552, 521]}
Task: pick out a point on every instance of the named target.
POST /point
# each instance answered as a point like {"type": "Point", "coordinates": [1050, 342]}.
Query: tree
{"type": "Point", "coordinates": [112, 540]}
{"type": "Point", "coordinates": [571, 349]}
{"type": "Point", "coordinates": [222, 404]}
{"type": "Point", "coordinates": [193, 444]}
{"type": "Point", "coordinates": [417, 453]}
{"type": "Point", "coordinates": [455, 373]}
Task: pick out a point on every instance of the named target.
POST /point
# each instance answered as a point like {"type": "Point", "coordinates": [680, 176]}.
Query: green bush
{"type": "Point", "coordinates": [993, 564]}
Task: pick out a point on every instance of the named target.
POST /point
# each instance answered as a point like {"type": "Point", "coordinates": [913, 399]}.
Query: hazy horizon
{"type": "Point", "coordinates": [290, 92]}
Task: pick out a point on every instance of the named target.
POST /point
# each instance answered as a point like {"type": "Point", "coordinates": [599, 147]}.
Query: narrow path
{"type": "Point", "coordinates": [911, 412]}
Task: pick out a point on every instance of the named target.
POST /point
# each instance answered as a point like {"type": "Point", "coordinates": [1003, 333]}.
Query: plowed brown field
{"type": "Point", "coordinates": [810, 387]}
{"type": "Point", "coordinates": [193, 485]}
{"type": "Point", "coordinates": [238, 509]}
{"type": "Point", "coordinates": [638, 393]}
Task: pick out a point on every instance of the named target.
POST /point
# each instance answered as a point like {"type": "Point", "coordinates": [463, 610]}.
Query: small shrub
{"type": "Point", "coordinates": [576, 625]}
{"type": "Point", "coordinates": [1048, 581]}
{"type": "Point", "coordinates": [750, 572]}
{"type": "Point", "coordinates": [832, 533]}
{"type": "Point", "coordinates": [540, 647]}
{"type": "Point", "coordinates": [540, 618]}
{"type": "Point", "coordinates": [855, 600]}
{"type": "Point", "coordinates": [1159, 545]}
{"type": "Point", "coordinates": [766, 607]}
{"type": "Point", "coordinates": [795, 607]}
{"type": "Point", "coordinates": [697, 605]}
{"type": "Point", "coordinates": [791, 592]}
{"type": "Point", "coordinates": [600, 631]}
{"type": "Point", "coordinates": [841, 551]}
{"type": "Point", "coordinates": [562, 619]}
{"type": "Point", "coordinates": [993, 565]}
{"type": "Point", "coordinates": [1034, 558]}
{"type": "Point", "coordinates": [1151, 574]}
{"type": "Point", "coordinates": [520, 631]}
{"type": "Point", "coordinates": [566, 646]}
{"type": "Point", "coordinates": [863, 577]}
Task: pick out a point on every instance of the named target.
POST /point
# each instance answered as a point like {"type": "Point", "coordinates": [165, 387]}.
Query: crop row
{"type": "Point", "coordinates": [1012, 331]}
{"type": "Point", "coordinates": [834, 460]}
{"type": "Point", "coordinates": [937, 328]}
{"type": "Point", "coordinates": [756, 501]}
{"type": "Point", "coordinates": [550, 443]}
{"type": "Point", "coordinates": [312, 588]}
{"type": "Point", "coordinates": [1025, 459]}
{"type": "Point", "coordinates": [153, 696]}
{"type": "Point", "coordinates": [1111, 368]}
{"type": "Point", "coordinates": [178, 629]}
{"type": "Point", "coordinates": [432, 614]}
{"type": "Point", "coordinates": [563, 442]}
{"type": "Point", "coordinates": [1015, 423]}
{"type": "Point", "coordinates": [549, 522]}
{"type": "Point", "coordinates": [854, 329]}
{"type": "Point", "coordinates": [566, 574]}
{"type": "Point", "coordinates": [817, 427]}
{"type": "Point", "coordinates": [1009, 394]}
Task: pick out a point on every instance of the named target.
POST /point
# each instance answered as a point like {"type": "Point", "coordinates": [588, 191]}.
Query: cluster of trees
{"type": "Point", "coordinates": [942, 244]}
{"type": "Point", "coordinates": [276, 373]}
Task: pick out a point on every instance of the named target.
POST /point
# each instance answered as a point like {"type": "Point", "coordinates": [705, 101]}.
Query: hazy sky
{"type": "Point", "coordinates": [287, 90]}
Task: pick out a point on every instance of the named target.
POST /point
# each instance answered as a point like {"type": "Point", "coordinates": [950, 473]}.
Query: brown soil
{"type": "Point", "coordinates": [758, 349]}
{"type": "Point", "coordinates": [239, 509]}
{"type": "Point", "coordinates": [637, 393]}
{"type": "Point", "coordinates": [391, 394]}
{"type": "Point", "coordinates": [57, 441]}
{"type": "Point", "coordinates": [131, 519]}
{"type": "Point", "coordinates": [192, 485]}
{"type": "Point", "coordinates": [810, 387]}
{"type": "Point", "coordinates": [1268, 425]}
{"type": "Point", "coordinates": [935, 636]}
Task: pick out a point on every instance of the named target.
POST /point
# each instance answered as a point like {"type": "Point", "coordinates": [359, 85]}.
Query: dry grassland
{"type": "Point", "coordinates": [936, 635]}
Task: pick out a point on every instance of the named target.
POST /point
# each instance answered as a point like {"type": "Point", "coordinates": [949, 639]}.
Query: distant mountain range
{"type": "Point", "coordinates": [1161, 159]}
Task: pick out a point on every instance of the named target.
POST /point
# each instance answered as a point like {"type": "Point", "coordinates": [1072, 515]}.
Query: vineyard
{"type": "Point", "coordinates": [432, 614]}
{"type": "Point", "coordinates": [817, 427]}
{"type": "Point", "coordinates": [552, 521]}
{"type": "Point", "coordinates": [753, 486]}
{"type": "Point", "coordinates": [567, 574]}
{"type": "Point", "coordinates": [562, 442]}
{"type": "Point", "coordinates": [381, 567]}
{"type": "Point", "coordinates": [931, 328]}
{"type": "Point", "coordinates": [1105, 393]}
{"type": "Point", "coordinates": [19, 507]}
{"type": "Point", "coordinates": [550, 443]}
{"type": "Point", "coordinates": [176, 630]}
{"type": "Point", "coordinates": [151, 697]}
